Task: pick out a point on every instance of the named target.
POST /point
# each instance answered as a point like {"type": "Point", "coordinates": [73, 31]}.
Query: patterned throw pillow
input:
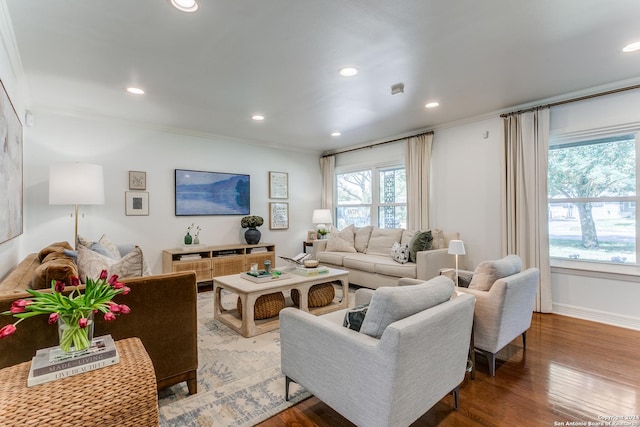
{"type": "Point", "coordinates": [400, 253]}
{"type": "Point", "coordinates": [91, 263]}
{"type": "Point", "coordinates": [355, 316]}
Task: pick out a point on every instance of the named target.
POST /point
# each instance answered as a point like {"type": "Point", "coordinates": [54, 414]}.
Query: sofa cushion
{"type": "Point", "coordinates": [334, 258]}
{"type": "Point", "coordinates": [91, 264]}
{"type": "Point", "coordinates": [354, 317]}
{"type": "Point", "coordinates": [363, 262]}
{"type": "Point", "coordinates": [400, 253]}
{"type": "Point", "coordinates": [341, 241]}
{"type": "Point", "coordinates": [487, 272]}
{"type": "Point", "coordinates": [421, 241]}
{"type": "Point", "coordinates": [382, 239]}
{"type": "Point", "coordinates": [390, 304]}
{"type": "Point", "coordinates": [361, 238]}
{"type": "Point", "coordinates": [388, 267]}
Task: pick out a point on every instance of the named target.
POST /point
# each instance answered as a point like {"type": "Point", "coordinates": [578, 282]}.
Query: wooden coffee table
{"type": "Point", "coordinates": [248, 291]}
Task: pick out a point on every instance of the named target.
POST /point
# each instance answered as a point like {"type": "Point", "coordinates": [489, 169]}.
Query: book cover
{"type": "Point", "coordinates": [32, 381]}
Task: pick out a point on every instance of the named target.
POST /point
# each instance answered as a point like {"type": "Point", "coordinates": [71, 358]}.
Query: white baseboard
{"type": "Point", "coordinates": [614, 319]}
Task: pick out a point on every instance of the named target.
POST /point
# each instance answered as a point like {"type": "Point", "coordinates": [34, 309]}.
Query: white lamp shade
{"type": "Point", "coordinates": [456, 247]}
{"type": "Point", "coordinates": [76, 184]}
{"type": "Point", "coordinates": [321, 216]}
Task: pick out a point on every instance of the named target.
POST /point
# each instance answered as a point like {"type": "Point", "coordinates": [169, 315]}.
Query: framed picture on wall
{"type": "Point", "coordinates": [137, 180]}
{"type": "Point", "coordinates": [278, 185]}
{"type": "Point", "coordinates": [136, 203]}
{"type": "Point", "coordinates": [278, 215]}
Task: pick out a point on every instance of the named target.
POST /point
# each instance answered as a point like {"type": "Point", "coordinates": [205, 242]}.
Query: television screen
{"type": "Point", "coordinates": [211, 193]}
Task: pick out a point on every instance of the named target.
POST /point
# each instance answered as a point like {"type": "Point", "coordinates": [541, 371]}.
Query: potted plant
{"type": "Point", "coordinates": [252, 235]}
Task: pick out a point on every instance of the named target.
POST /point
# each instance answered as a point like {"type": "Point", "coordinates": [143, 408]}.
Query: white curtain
{"type": "Point", "coordinates": [417, 166]}
{"type": "Point", "coordinates": [524, 199]}
{"type": "Point", "coordinates": [327, 167]}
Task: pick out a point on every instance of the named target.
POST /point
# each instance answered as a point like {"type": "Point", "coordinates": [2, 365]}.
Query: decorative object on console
{"type": "Point", "coordinates": [76, 184]}
{"type": "Point", "coordinates": [456, 247]}
{"type": "Point", "coordinates": [196, 237]}
{"type": "Point", "coordinates": [11, 173]}
{"type": "Point", "coordinates": [321, 217]}
{"type": "Point", "coordinates": [187, 237]}
{"type": "Point", "coordinates": [252, 235]}
{"type": "Point", "coordinates": [73, 312]}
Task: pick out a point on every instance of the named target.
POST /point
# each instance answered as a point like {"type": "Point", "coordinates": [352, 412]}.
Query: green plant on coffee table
{"type": "Point", "coordinates": [251, 221]}
{"type": "Point", "coordinates": [73, 309]}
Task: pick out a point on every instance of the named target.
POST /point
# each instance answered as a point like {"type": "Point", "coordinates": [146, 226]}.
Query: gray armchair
{"type": "Point", "coordinates": [410, 352]}
{"type": "Point", "coordinates": [505, 298]}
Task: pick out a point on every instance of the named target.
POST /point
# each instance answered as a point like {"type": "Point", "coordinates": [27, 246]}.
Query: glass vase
{"type": "Point", "coordinates": [188, 239]}
{"type": "Point", "coordinates": [73, 338]}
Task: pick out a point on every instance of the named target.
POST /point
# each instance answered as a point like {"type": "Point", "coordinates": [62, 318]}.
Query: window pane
{"type": "Point", "coordinates": [359, 216]}
{"type": "Point", "coordinates": [353, 188]}
{"type": "Point", "coordinates": [393, 186]}
{"type": "Point", "coordinates": [593, 231]}
{"type": "Point", "coordinates": [392, 217]}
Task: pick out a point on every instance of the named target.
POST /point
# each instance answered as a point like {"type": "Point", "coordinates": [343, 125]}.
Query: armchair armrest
{"type": "Point", "coordinates": [363, 296]}
{"type": "Point", "coordinates": [430, 262]}
{"type": "Point", "coordinates": [319, 245]}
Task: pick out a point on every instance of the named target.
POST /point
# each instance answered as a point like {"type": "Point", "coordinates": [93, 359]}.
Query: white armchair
{"type": "Point", "coordinates": [411, 351]}
{"type": "Point", "coordinates": [505, 298]}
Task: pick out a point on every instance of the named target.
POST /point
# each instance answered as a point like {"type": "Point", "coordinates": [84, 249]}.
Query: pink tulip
{"type": "Point", "coordinates": [124, 309]}
{"type": "Point", "coordinates": [16, 309]}
{"type": "Point", "coordinates": [104, 275]}
{"type": "Point", "coordinates": [21, 303]}
{"type": "Point", "coordinates": [7, 330]}
{"type": "Point", "coordinates": [83, 322]}
{"type": "Point", "coordinates": [109, 317]}
{"type": "Point", "coordinates": [118, 285]}
{"type": "Point", "coordinates": [59, 286]}
{"type": "Point", "coordinates": [113, 279]}
{"type": "Point", "coordinates": [114, 307]}
{"type": "Point", "coordinates": [125, 290]}
{"type": "Point", "coordinates": [53, 318]}
{"type": "Point", "coordinates": [75, 281]}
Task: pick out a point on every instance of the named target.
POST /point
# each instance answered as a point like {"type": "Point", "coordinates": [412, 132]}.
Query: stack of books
{"type": "Point", "coordinates": [52, 363]}
{"type": "Point", "coordinates": [304, 271]}
{"type": "Point", "coordinates": [190, 257]}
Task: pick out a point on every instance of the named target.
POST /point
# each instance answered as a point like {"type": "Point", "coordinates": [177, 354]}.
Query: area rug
{"type": "Point", "coordinates": [239, 379]}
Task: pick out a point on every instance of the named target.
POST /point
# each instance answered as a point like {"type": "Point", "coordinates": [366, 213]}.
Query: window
{"type": "Point", "coordinates": [592, 200]}
{"type": "Point", "coordinates": [361, 200]}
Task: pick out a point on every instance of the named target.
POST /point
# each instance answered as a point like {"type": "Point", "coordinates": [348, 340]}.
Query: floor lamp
{"type": "Point", "coordinates": [76, 184]}
{"type": "Point", "coordinates": [456, 247]}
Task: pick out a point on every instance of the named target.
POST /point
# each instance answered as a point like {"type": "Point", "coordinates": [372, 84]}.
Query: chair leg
{"type": "Point", "coordinates": [456, 397]}
{"type": "Point", "coordinates": [491, 357]}
{"type": "Point", "coordinates": [286, 387]}
{"type": "Point", "coordinates": [524, 339]}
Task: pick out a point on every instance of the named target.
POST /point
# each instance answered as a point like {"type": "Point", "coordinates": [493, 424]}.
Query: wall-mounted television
{"type": "Point", "coordinates": [211, 193]}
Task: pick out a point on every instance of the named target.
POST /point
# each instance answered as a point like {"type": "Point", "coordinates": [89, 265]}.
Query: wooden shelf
{"type": "Point", "coordinates": [221, 260]}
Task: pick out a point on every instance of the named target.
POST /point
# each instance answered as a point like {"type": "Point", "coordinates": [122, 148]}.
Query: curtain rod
{"type": "Point", "coordinates": [378, 143]}
{"type": "Point", "coordinates": [568, 101]}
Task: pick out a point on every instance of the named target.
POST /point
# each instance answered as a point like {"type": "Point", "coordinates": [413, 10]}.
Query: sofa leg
{"type": "Point", "coordinates": [192, 385]}
{"type": "Point", "coordinates": [456, 398]}
{"type": "Point", "coordinates": [524, 339]}
{"type": "Point", "coordinates": [287, 381]}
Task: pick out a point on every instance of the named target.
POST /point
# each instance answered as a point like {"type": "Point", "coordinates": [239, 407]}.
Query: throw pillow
{"type": "Point", "coordinates": [400, 253]}
{"type": "Point", "coordinates": [337, 244]}
{"type": "Point", "coordinates": [102, 250]}
{"type": "Point", "coordinates": [390, 304]}
{"type": "Point", "coordinates": [91, 264]}
{"type": "Point", "coordinates": [487, 272]}
{"type": "Point", "coordinates": [354, 317]}
{"type": "Point", "coordinates": [421, 241]}
{"type": "Point", "coordinates": [382, 239]}
{"type": "Point", "coordinates": [110, 246]}
{"type": "Point", "coordinates": [361, 238]}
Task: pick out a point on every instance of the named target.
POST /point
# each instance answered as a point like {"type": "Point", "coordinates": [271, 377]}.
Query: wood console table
{"type": "Point", "coordinates": [124, 394]}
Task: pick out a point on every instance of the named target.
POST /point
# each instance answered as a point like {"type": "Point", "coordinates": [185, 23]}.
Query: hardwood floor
{"type": "Point", "coordinates": [573, 371]}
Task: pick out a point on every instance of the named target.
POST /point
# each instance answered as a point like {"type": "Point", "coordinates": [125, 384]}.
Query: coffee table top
{"type": "Point", "coordinates": [238, 283]}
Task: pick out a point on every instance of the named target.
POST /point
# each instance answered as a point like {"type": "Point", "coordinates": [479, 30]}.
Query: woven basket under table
{"type": "Point", "coordinates": [319, 295]}
{"type": "Point", "coordinates": [266, 306]}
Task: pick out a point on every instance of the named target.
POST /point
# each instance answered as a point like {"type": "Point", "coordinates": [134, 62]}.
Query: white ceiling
{"type": "Point", "coordinates": [208, 71]}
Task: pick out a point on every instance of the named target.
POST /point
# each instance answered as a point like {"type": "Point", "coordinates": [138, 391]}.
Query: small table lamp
{"type": "Point", "coordinates": [321, 217]}
{"type": "Point", "coordinates": [456, 247]}
{"type": "Point", "coordinates": [76, 184]}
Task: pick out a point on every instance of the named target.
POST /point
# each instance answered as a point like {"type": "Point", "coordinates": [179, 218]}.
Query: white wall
{"type": "Point", "coordinates": [121, 147]}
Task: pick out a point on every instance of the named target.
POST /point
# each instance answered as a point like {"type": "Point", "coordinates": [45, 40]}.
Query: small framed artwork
{"type": "Point", "coordinates": [278, 215]}
{"type": "Point", "coordinates": [136, 203]}
{"type": "Point", "coordinates": [137, 180]}
{"type": "Point", "coordinates": [311, 235]}
{"type": "Point", "coordinates": [278, 185]}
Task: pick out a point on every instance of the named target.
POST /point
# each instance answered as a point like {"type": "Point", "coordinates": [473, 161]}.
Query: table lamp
{"type": "Point", "coordinates": [456, 247]}
{"type": "Point", "coordinates": [321, 217]}
{"type": "Point", "coordinates": [76, 184]}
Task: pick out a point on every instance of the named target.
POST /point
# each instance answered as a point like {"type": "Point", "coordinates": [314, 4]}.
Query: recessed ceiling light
{"type": "Point", "coordinates": [432, 105]}
{"type": "Point", "coordinates": [348, 71]}
{"type": "Point", "coordinates": [631, 47]}
{"type": "Point", "coordinates": [257, 117]}
{"type": "Point", "coordinates": [135, 91]}
{"type": "Point", "coordinates": [336, 134]}
{"type": "Point", "coordinates": [185, 5]}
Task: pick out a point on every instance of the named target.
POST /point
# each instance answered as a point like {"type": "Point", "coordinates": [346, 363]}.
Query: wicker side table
{"type": "Point", "coordinates": [124, 394]}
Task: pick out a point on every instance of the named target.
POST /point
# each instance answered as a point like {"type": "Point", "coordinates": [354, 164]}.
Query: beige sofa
{"type": "Point", "coordinates": [369, 260]}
